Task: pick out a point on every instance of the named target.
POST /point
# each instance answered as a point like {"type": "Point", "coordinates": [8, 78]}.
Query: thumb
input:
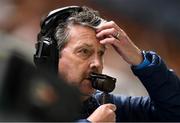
{"type": "Point", "coordinates": [111, 106]}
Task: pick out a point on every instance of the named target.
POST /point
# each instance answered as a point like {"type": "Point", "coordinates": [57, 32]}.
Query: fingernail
{"type": "Point", "coordinates": [101, 42]}
{"type": "Point", "coordinates": [97, 30]}
{"type": "Point", "coordinates": [97, 35]}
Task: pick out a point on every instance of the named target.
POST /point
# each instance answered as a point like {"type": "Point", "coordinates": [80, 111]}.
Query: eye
{"type": "Point", "coordinates": [84, 52]}
{"type": "Point", "coordinates": [101, 53]}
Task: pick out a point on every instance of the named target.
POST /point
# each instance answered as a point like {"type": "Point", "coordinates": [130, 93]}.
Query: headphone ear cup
{"type": "Point", "coordinates": [46, 56]}
{"type": "Point", "coordinates": [40, 58]}
{"type": "Point", "coordinates": [47, 53]}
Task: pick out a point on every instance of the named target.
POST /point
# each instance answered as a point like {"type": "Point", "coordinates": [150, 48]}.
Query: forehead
{"type": "Point", "coordinates": [80, 34]}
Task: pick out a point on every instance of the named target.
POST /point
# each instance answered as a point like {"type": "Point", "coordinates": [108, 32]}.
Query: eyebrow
{"type": "Point", "coordinates": [82, 45]}
{"type": "Point", "coordinates": [103, 48]}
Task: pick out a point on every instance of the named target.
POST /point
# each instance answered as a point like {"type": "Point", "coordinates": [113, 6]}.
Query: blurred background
{"type": "Point", "coordinates": [151, 25]}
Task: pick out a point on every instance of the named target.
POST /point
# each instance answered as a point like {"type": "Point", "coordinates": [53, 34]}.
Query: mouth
{"type": "Point", "coordinates": [89, 78]}
{"type": "Point", "coordinates": [91, 74]}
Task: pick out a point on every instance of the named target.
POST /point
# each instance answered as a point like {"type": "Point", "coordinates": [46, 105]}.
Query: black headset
{"type": "Point", "coordinates": [47, 53]}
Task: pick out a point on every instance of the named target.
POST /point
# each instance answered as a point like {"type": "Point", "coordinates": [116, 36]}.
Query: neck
{"type": "Point", "coordinates": [85, 97]}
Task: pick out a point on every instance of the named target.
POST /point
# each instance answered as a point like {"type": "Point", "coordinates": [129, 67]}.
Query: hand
{"type": "Point", "coordinates": [111, 33]}
{"type": "Point", "coordinates": [104, 113]}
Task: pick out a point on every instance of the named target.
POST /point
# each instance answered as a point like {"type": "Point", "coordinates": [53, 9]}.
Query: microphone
{"type": "Point", "coordinates": [104, 83]}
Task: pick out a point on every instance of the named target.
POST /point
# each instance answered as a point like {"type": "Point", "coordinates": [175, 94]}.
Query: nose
{"type": "Point", "coordinates": [96, 64]}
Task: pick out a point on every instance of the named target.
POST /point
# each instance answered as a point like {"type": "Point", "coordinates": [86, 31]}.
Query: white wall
{"type": "Point", "coordinates": [127, 83]}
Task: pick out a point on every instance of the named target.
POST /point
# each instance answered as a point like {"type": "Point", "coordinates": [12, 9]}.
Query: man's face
{"type": "Point", "coordinates": [82, 55]}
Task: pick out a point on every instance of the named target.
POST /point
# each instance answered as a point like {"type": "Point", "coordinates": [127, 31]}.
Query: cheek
{"type": "Point", "coordinates": [65, 69]}
{"type": "Point", "coordinates": [71, 70]}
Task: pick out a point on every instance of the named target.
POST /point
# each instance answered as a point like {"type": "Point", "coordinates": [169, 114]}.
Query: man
{"type": "Point", "coordinates": [72, 43]}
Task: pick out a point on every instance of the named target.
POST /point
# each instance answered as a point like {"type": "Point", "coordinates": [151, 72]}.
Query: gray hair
{"type": "Point", "coordinates": [87, 16]}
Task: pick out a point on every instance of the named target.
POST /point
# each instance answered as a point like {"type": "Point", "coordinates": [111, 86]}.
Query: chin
{"type": "Point", "coordinates": [87, 93]}
{"type": "Point", "coordinates": [86, 88]}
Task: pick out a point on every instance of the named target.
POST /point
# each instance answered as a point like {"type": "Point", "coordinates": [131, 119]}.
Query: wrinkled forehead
{"type": "Point", "coordinates": [83, 34]}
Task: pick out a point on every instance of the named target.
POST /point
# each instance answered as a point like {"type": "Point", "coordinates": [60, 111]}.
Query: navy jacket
{"type": "Point", "coordinates": [162, 104]}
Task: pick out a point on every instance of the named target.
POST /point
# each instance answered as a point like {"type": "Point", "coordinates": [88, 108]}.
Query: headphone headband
{"type": "Point", "coordinates": [57, 15]}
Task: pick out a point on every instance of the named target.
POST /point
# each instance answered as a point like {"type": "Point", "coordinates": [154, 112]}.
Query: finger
{"type": "Point", "coordinates": [107, 25]}
{"type": "Point", "coordinates": [107, 32]}
{"type": "Point", "coordinates": [110, 40]}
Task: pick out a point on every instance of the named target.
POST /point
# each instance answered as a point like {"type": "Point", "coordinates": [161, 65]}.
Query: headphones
{"type": "Point", "coordinates": [47, 53]}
